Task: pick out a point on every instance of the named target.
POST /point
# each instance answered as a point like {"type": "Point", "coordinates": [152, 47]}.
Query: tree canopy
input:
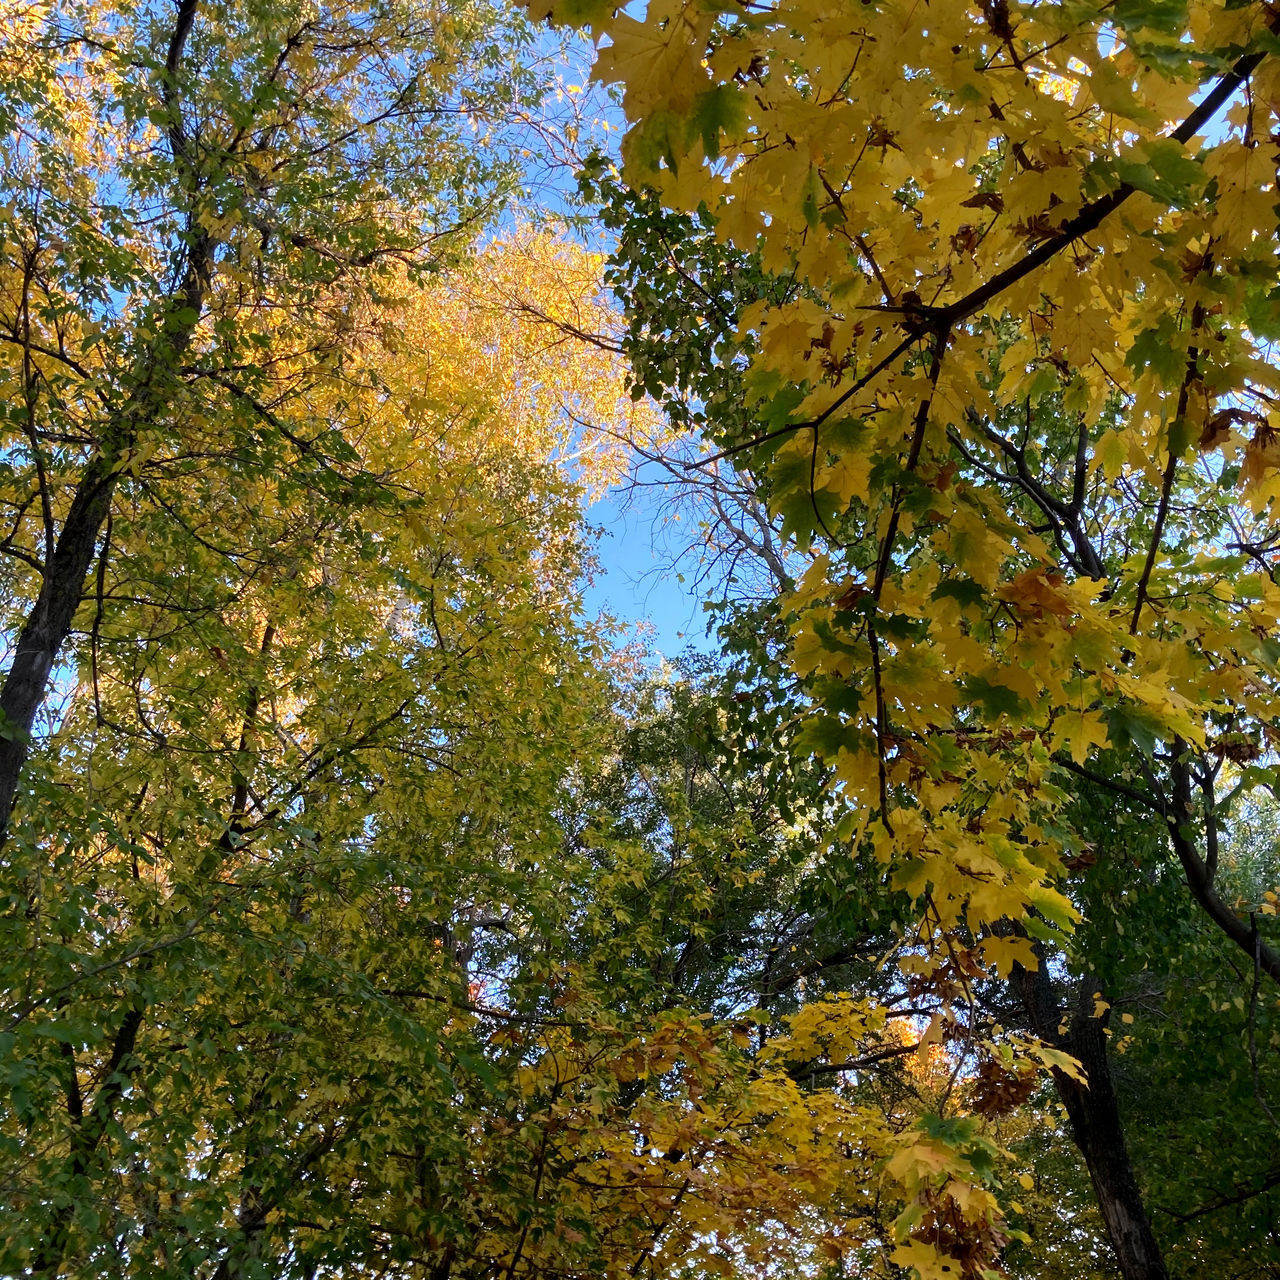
{"type": "Point", "coordinates": [368, 909]}
{"type": "Point", "coordinates": [1016, 391]}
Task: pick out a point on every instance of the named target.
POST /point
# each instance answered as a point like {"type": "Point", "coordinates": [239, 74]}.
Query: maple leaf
{"type": "Point", "coordinates": [1079, 732]}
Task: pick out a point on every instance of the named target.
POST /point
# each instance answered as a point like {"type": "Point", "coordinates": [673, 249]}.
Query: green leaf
{"type": "Point", "coordinates": [75, 1033]}
{"type": "Point", "coordinates": [966, 591]}
{"type": "Point", "coordinates": [809, 196]}
{"type": "Point", "coordinates": [719, 110]}
{"type": "Point", "coordinates": [1156, 349]}
{"type": "Point", "coordinates": [1162, 169]}
{"type": "Point", "coordinates": [994, 700]}
{"type": "Point", "coordinates": [1268, 650]}
{"type": "Point", "coordinates": [1130, 725]}
{"type": "Point", "coordinates": [1262, 309]}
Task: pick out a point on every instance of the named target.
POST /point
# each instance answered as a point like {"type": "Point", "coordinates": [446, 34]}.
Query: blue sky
{"type": "Point", "coordinates": [637, 583]}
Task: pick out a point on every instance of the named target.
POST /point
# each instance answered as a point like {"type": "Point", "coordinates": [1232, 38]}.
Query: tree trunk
{"type": "Point", "coordinates": [48, 623]}
{"type": "Point", "coordinates": [89, 1130]}
{"type": "Point", "coordinates": [1095, 1120]}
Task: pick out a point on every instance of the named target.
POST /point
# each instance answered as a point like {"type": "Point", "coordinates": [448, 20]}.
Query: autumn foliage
{"type": "Point", "coordinates": [365, 910]}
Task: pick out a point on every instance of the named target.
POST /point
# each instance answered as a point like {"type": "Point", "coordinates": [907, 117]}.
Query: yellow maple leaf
{"type": "Point", "coordinates": [1078, 732]}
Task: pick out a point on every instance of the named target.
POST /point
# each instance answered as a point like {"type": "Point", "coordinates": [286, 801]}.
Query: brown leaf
{"type": "Point", "coordinates": [852, 595]}
{"type": "Point", "coordinates": [1218, 428]}
{"type": "Point", "coordinates": [992, 200]}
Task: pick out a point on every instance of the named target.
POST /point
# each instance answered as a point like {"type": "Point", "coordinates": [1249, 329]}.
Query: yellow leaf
{"type": "Point", "coordinates": [1079, 732]}
{"type": "Point", "coordinates": [1004, 953]}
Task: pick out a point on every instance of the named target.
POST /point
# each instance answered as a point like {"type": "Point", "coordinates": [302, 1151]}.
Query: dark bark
{"type": "Point", "coordinates": [48, 623]}
{"type": "Point", "coordinates": [1094, 1115]}
{"type": "Point", "coordinates": [88, 1130]}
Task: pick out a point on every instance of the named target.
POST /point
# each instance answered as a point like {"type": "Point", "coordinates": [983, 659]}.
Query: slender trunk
{"type": "Point", "coordinates": [1096, 1126]}
{"type": "Point", "coordinates": [48, 623]}
{"type": "Point", "coordinates": [1201, 872]}
{"type": "Point", "coordinates": [246, 1252]}
{"type": "Point", "coordinates": [88, 1130]}
{"type": "Point", "coordinates": [43, 634]}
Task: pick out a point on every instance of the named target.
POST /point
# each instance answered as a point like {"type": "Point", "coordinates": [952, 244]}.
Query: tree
{"type": "Point", "coordinates": [1190, 1025]}
{"type": "Point", "coordinates": [313, 803]}
{"type": "Point", "coordinates": [290, 582]}
{"type": "Point", "coordinates": [1021, 398]}
{"type": "Point", "coordinates": [144, 295]}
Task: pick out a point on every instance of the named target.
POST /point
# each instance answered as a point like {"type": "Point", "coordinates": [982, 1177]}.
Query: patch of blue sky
{"type": "Point", "coordinates": [646, 580]}
{"type": "Point", "coordinates": [642, 581]}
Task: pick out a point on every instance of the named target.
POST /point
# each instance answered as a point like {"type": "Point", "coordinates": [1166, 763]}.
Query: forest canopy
{"type": "Point", "coordinates": [368, 907]}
